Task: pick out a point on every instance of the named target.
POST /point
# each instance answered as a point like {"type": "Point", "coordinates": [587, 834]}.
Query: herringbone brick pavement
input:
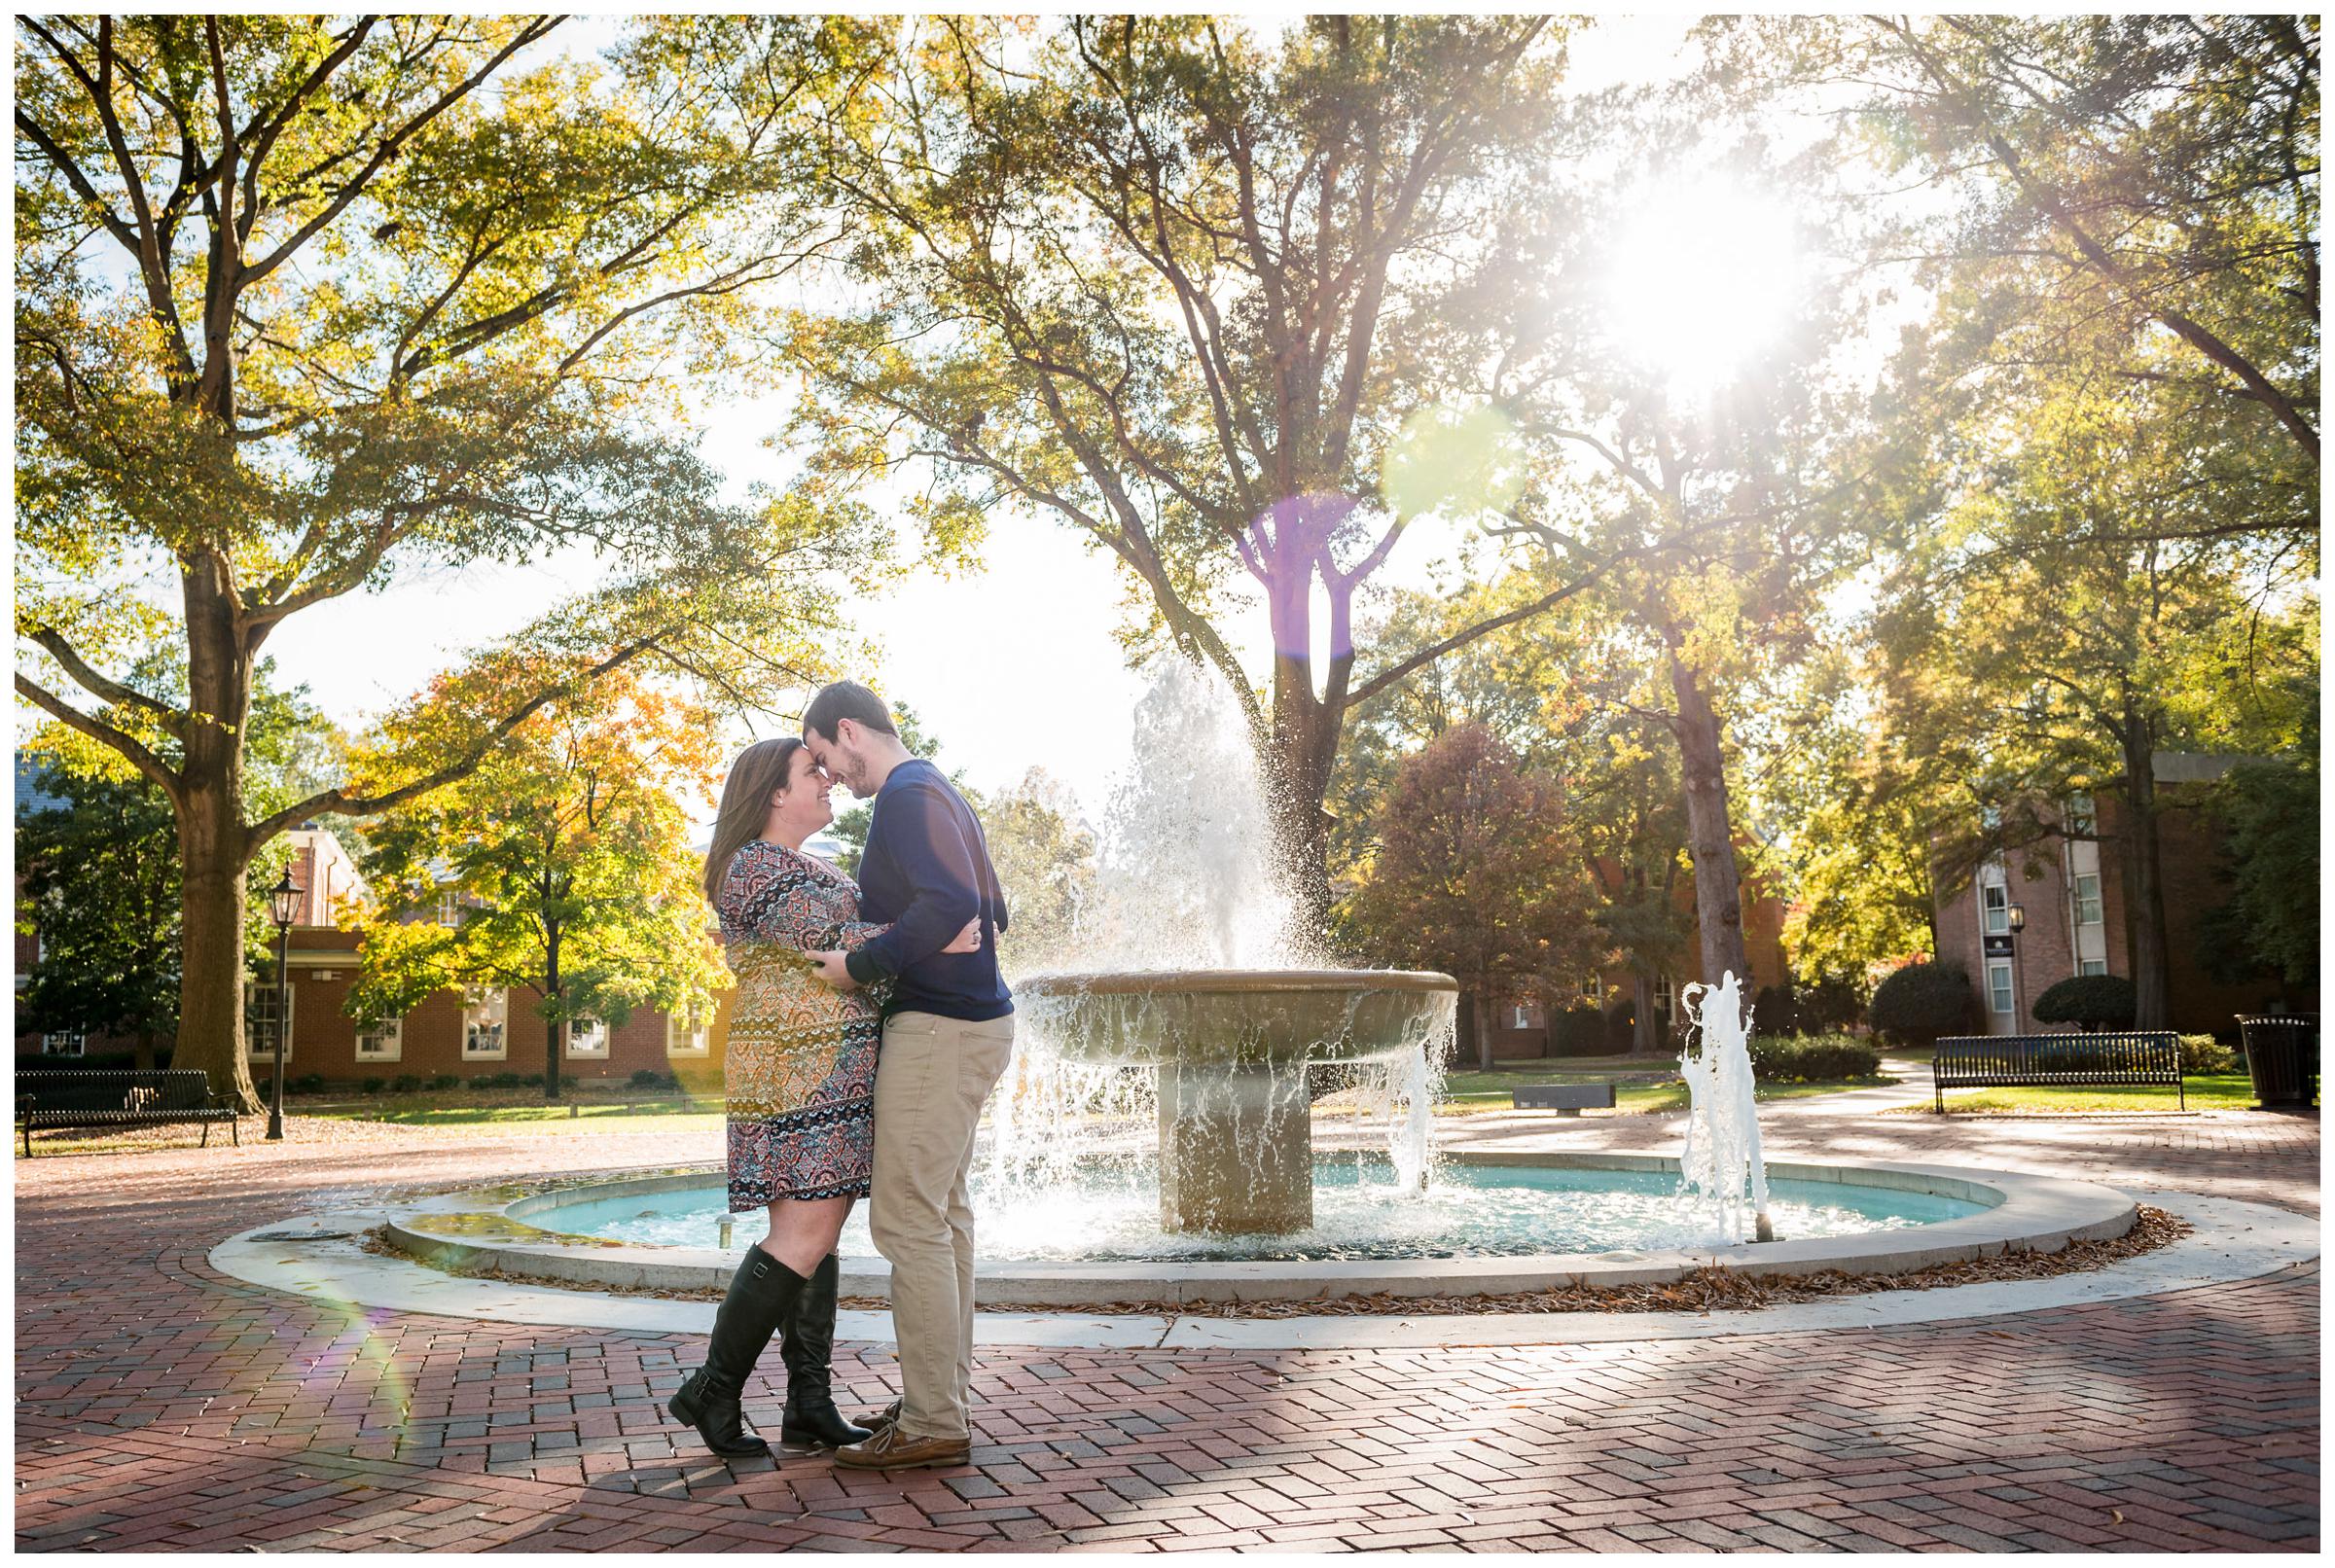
{"type": "Point", "coordinates": [164, 1407]}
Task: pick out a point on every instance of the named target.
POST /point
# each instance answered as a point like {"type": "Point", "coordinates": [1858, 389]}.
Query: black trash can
{"type": "Point", "coordinates": [2281, 1056]}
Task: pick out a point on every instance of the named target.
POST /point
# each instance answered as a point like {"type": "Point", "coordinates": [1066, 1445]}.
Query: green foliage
{"type": "Point", "coordinates": [1812, 1059]}
{"type": "Point", "coordinates": [1577, 1031]}
{"type": "Point", "coordinates": [2270, 810]}
{"type": "Point", "coordinates": [2204, 1057]}
{"type": "Point", "coordinates": [1475, 872]}
{"type": "Point", "coordinates": [305, 1084]}
{"type": "Point", "coordinates": [2092, 1000]}
{"type": "Point", "coordinates": [1045, 858]}
{"type": "Point", "coordinates": [374, 1085]}
{"type": "Point", "coordinates": [406, 1084]}
{"type": "Point", "coordinates": [570, 858]}
{"type": "Point", "coordinates": [1920, 1002]}
{"type": "Point", "coordinates": [1621, 1024]}
{"type": "Point", "coordinates": [445, 1081]}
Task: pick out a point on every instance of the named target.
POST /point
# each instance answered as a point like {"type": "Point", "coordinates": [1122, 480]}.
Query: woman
{"type": "Point", "coordinates": [801, 1074]}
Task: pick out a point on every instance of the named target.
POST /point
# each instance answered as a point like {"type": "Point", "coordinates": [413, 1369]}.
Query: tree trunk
{"type": "Point", "coordinates": [1485, 1013]}
{"type": "Point", "coordinates": [2144, 879]}
{"type": "Point", "coordinates": [553, 1029]}
{"type": "Point", "coordinates": [1710, 837]}
{"type": "Point", "coordinates": [210, 985]}
{"type": "Point", "coordinates": [142, 1054]}
{"type": "Point", "coordinates": [1641, 1027]}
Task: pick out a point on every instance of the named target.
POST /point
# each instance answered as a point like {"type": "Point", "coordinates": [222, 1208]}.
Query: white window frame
{"type": "Point", "coordinates": [2001, 1001]}
{"type": "Point", "coordinates": [387, 1038]}
{"type": "Point", "coordinates": [1994, 908]}
{"type": "Point", "coordinates": [65, 1043]}
{"type": "Point", "coordinates": [253, 994]}
{"type": "Point", "coordinates": [699, 1033]}
{"type": "Point", "coordinates": [2079, 900]}
{"type": "Point", "coordinates": [1664, 999]}
{"type": "Point", "coordinates": [486, 1010]}
{"type": "Point", "coordinates": [449, 908]}
{"type": "Point", "coordinates": [594, 1047]}
{"type": "Point", "coordinates": [2082, 816]}
{"type": "Point", "coordinates": [2092, 966]}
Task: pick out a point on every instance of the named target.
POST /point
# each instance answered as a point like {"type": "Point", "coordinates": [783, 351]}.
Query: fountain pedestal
{"type": "Point", "coordinates": [1235, 1151]}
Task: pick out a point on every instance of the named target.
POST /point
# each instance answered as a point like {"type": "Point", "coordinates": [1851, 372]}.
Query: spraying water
{"type": "Point", "coordinates": [1191, 880]}
{"type": "Point", "coordinates": [1721, 1171]}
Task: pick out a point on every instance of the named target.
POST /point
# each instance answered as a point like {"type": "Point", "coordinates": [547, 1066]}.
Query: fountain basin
{"type": "Point", "coordinates": [1231, 1046]}
{"type": "Point", "coordinates": [521, 1236]}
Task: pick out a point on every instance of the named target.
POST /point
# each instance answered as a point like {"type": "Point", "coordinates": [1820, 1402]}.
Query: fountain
{"type": "Point", "coordinates": [1721, 1170]}
{"type": "Point", "coordinates": [1207, 984]}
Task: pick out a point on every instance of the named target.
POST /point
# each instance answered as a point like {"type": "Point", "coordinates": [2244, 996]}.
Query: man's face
{"type": "Point", "coordinates": [840, 759]}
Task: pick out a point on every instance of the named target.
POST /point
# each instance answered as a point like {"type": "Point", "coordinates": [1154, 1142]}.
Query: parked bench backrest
{"type": "Point", "coordinates": [158, 1089]}
{"type": "Point", "coordinates": [2146, 1055]}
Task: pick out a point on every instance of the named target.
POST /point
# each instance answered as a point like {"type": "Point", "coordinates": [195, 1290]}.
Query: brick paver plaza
{"type": "Point", "coordinates": [163, 1405]}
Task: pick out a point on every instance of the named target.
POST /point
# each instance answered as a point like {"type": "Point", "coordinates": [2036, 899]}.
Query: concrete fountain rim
{"type": "Point", "coordinates": [476, 1227]}
{"type": "Point", "coordinates": [1229, 981]}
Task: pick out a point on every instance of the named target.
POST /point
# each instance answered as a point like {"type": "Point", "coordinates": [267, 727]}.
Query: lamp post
{"type": "Point", "coordinates": [2017, 922]}
{"type": "Point", "coordinates": [283, 900]}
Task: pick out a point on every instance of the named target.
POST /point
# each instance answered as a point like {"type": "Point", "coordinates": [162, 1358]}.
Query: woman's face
{"type": "Point", "coordinates": [802, 803]}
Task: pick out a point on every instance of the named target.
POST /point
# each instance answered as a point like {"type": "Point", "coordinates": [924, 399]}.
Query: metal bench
{"type": "Point", "coordinates": [49, 1101]}
{"type": "Point", "coordinates": [1566, 1099]}
{"type": "Point", "coordinates": [2057, 1060]}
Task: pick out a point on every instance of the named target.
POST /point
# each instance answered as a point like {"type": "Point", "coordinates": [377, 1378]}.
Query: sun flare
{"type": "Point", "coordinates": [1700, 279]}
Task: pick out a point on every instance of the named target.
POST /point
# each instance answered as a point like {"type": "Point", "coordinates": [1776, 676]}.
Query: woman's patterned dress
{"type": "Point", "coordinates": [801, 1067]}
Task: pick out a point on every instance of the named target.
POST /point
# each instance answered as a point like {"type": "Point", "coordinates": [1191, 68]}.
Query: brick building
{"type": "Point", "coordinates": [2071, 891]}
{"type": "Point", "coordinates": [491, 1032]}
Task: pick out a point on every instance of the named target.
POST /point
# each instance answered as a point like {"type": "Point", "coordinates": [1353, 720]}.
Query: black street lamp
{"type": "Point", "coordinates": [284, 903]}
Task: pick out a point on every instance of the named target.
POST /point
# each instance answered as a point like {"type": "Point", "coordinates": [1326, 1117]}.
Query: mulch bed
{"type": "Point", "coordinates": [1705, 1290]}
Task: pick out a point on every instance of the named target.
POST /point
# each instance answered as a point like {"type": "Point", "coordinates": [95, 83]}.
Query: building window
{"type": "Point", "coordinates": [449, 908]}
{"type": "Point", "coordinates": [385, 1041]}
{"type": "Point", "coordinates": [1661, 1000]}
{"type": "Point", "coordinates": [2092, 966]}
{"type": "Point", "coordinates": [483, 1017]}
{"type": "Point", "coordinates": [259, 1019]}
{"type": "Point", "coordinates": [587, 1037]}
{"type": "Point", "coordinates": [2081, 820]}
{"type": "Point", "coordinates": [1998, 987]}
{"type": "Point", "coordinates": [687, 1035]}
{"type": "Point", "coordinates": [65, 1043]}
{"type": "Point", "coordinates": [2087, 899]}
{"type": "Point", "coordinates": [1994, 907]}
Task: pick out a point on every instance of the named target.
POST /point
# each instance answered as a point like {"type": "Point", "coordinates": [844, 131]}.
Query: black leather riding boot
{"type": "Point", "coordinates": [763, 1294]}
{"type": "Point", "coordinates": [807, 1344]}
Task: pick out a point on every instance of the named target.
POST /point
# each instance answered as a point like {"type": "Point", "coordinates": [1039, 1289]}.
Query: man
{"type": "Point", "coordinates": [947, 1031]}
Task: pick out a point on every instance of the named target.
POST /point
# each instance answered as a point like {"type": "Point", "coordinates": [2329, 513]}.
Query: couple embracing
{"type": "Point", "coordinates": [868, 1024]}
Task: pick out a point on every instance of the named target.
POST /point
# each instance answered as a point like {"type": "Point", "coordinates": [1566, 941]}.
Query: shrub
{"type": "Point", "coordinates": [374, 1085]}
{"type": "Point", "coordinates": [1621, 1023]}
{"type": "Point", "coordinates": [1829, 1006]}
{"type": "Point", "coordinates": [1812, 1059]}
{"type": "Point", "coordinates": [531, 1081]}
{"type": "Point", "coordinates": [1775, 1010]}
{"type": "Point", "coordinates": [2090, 1001]}
{"type": "Point", "coordinates": [445, 1081]}
{"type": "Point", "coordinates": [2203, 1056]}
{"type": "Point", "coordinates": [481, 1080]}
{"type": "Point", "coordinates": [1577, 1031]}
{"type": "Point", "coordinates": [307, 1083]}
{"type": "Point", "coordinates": [507, 1081]}
{"type": "Point", "coordinates": [1917, 1004]}
{"type": "Point", "coordinates": [406, 1083]}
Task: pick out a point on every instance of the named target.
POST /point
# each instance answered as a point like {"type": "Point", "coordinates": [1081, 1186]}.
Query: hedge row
{"type": "Point", "coordinates": [1812, 1059]}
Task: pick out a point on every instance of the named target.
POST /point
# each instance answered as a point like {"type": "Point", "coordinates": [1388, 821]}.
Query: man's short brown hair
{"type": "Point", "coordinates": [845, 700]}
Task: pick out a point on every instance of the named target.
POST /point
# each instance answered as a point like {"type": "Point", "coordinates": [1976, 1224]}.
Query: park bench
{"type": "Point", "coordinates": [2057, 1060]}
{"type": "Point", "coordinates": [1566, 1099]}
{"type": "Point", "coordinates": [46, 1101]}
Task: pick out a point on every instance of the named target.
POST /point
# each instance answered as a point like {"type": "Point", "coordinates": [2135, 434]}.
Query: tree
{"type": "Point", "coordinates": [100, 874]}
{"type": "Point", "coordinates": [568, 856]}
{"type": "Point", "coordinates": [2120, 180]}
{"type": "Point", "coordinates": [1475, 873]}
{"type": "Point", "coordinates": [383, 294]}
{"type": "Point", "coordinates": [1045, 856]}
{"type": "Point", "coordinates": [1175, 286]}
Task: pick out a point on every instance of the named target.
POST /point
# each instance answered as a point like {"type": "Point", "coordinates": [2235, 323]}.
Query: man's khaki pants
{"type": "Point", "coordinates": [931, 1077]}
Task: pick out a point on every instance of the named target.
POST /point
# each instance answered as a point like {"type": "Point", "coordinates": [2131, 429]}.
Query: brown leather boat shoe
{"type": "Point", "coordinates": [889, 1449]}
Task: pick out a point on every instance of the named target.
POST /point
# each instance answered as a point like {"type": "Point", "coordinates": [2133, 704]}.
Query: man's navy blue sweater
{"type": "Point", "coordinates": [926, 871]}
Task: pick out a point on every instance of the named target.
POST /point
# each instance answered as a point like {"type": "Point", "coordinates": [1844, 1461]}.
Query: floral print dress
{"type": "Point", "coordinates": [801, 1056]}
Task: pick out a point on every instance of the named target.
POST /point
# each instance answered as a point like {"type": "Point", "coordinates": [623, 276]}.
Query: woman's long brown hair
{"type": "Point", "coordinates": [759, 774]}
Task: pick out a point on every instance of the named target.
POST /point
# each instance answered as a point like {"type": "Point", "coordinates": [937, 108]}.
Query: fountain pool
{"type": "Point", "coordinates": [1360, 1210]}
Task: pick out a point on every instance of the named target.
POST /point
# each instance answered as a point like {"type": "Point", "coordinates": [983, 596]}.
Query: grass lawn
{"type": "Point", "coordinates": [2219, 1092]}
{"type": "Point", "coordinates": [1465, 1092]}
{"type": "Point", "coordinates": [522, 1115]}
